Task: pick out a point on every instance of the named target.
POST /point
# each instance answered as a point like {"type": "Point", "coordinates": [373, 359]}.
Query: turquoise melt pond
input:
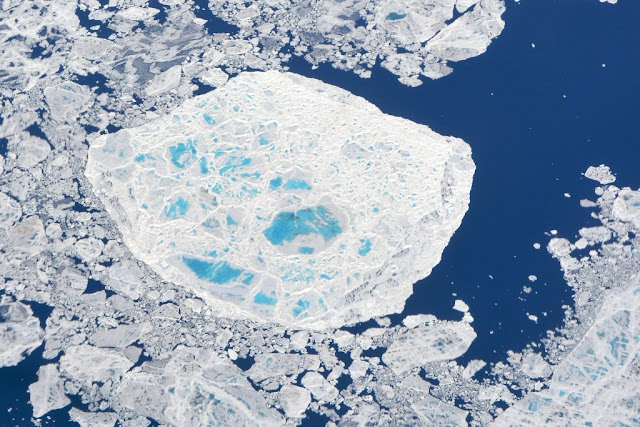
{"type": "Point", "coordinates": [289, 225]}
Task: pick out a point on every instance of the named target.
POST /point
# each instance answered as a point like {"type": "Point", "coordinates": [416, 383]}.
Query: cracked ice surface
{"type": "Point", "coordinates": [201, 389]}
{"type": "Point", "coordinates": [597, 382]}
{"type": "Point", "coordinates": [283, 198]}
{"type": "Point", "coordinates": [20, 332]}
{"type": "Point", "coordinates": [48, 392]}
{"type": "Point", "coordinates": [428, 343]}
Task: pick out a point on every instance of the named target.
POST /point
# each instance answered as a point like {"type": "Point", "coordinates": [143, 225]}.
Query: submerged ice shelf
{"type": "Point", "coordinates": [283, 198]}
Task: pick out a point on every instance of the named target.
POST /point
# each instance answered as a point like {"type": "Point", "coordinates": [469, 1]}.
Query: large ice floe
{"type": "Point", "coordinates": [283, 198]}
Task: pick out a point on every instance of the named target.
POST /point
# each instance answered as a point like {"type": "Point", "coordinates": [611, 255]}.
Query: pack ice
{"type": "Point", "coordinates": [281, 198]}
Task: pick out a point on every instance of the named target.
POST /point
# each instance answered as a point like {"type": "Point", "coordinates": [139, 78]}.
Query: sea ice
{"type": "Point", "coordinates": [473, 367]}
{"type": "Point", "coordinates": [428, 343]}
{"type": "Point", "coordinates": [283, 198]}
{"type": "Point", "coordinates": [120, 336]}
{"type": "Point", "coordinates": [461, 306]}
{"type": "Point", "coordinates": [534, 366]}
{"type": "Point", "coordinates": [47, 393]}
{"type": "Point", "coordinates": [469, 35]}
{"type": "Point", "coordinates": [20, 331]}
{"type": "Point", "coordinates": [66, 100]}
{"type": "Point", "coordinates": [30, 150]}
{"type": "Point", "coordinates": [601, 173]}
{"type": "Point", "coordinates": [26, 239]}
{"type": "Point", "coordinates": [89, 364]}
{"type": "Point", "coordinates": [69, 80]}
{"type": "Point", "coordinates": [319, 387]}
{"type": "Point", "coordinates": [195, 387]}
{"type": "Point", "coordinates": [418, 319]}
{"type": "Point", "coordinates": [93, 419]}
{"type": "Point", "coordinates": [294, 400]}
{"type": "Point", "coordinates": [596, 382]}
{"type": "Point", "coordinates": [434, 412]}
{"type": "Point", "coordinates": [626, 206]}
{"type": "Point", "coordinates": [269, 365]}
{"type": "Point", "coordinates": [10, 211]}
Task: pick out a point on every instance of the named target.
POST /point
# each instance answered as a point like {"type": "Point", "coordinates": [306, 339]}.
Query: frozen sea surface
{"type": "Point", "coordinates": [284, 198]}
{"type": "Point", "coordinates": [529, 315]}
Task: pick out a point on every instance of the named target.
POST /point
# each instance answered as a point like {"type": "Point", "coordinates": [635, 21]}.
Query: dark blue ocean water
{"type": "Point", "coordinates": [530, 145]}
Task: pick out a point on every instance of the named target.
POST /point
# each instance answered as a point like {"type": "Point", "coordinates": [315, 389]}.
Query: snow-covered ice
{"type": "Point", "coordinates": [20, 331]}
{"type": "Point", "coordinates": [601, 173]}
{"type": "Point", "coordinates": [428, 343]}
{"type": "Point", "coordinates": [283, 198]}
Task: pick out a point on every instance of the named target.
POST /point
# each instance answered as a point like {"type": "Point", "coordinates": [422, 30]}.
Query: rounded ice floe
{"type": "Point", "coordinates": [282, 198]}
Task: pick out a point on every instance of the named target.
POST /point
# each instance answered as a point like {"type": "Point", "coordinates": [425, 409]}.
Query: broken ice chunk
{"type": "Point", "coordinates": [418, 319]}
{"type": "Point", "coordinates": [120, 336]}
{"type": "Point", "coordinates": [299, 340]}
{"type": "Point", "coordinates": [473, 367]}
{"type": "Point", "coordinates": [90, 364]}
{"type": "Point", "coordinates": [273, 364]}
{"type": "Point", "coordinates": [294, 400]}
{"type": "Point", "coordinates": [461, 306]}
{"type": "Point", "coordinates": [434, 412]}
{"type": "Point", "coordinates": [626, 207]}
{"type": "Point", "coordinates": [89, 248]}
{"type": "Point", "coordinates": [195, 388]}
{"type": "Point", "coordinates": [47, 393]}
{"type": "Point", "coordinates": [601, 173]}
{"type": "Point", "coordinates": [31, 150]}
{"type": "Point", "coordinates": [93, 419]}
{"type": "Point", "coordinates": [534, 366]}
{"type": "Point", "coordinates": [27, 238]}
{"type": "Point", "coordinates": [20, 332]}
{"type": "Point", "coordinates": [66, 100]}
{"type": "Point", "coordinates": [319, 386]}
{"type": "Point", "coordinates": [10, 211]}
{"type": "Point", "coordinates": [165, 81]}
{"type": "Point", "coordinates": [428, 343]}
{"type": "Point", "coordinates": [358, 368]}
